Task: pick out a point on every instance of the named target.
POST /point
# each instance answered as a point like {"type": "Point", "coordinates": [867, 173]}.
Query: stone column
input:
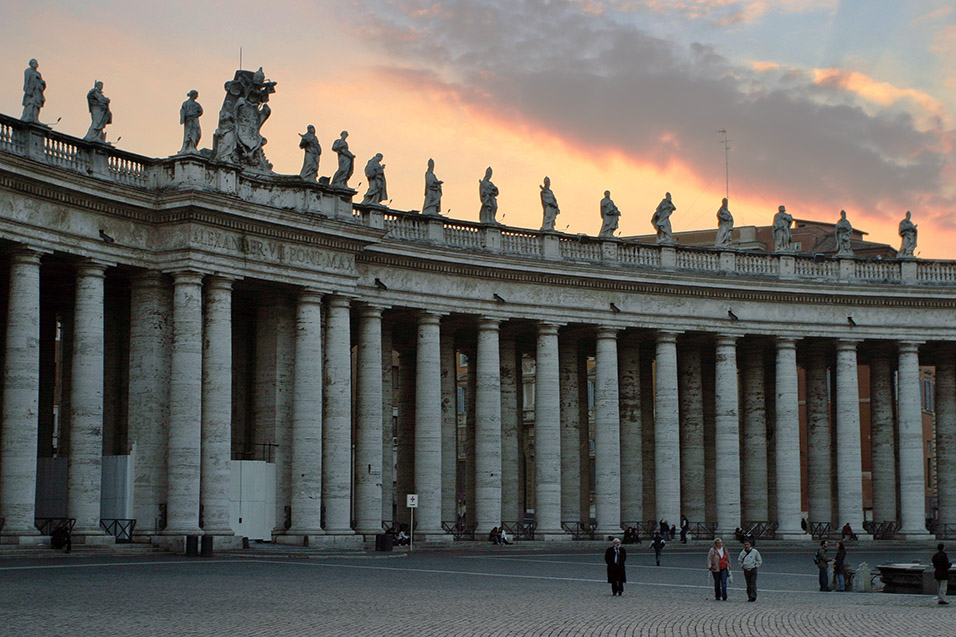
{"type": "Point", "coordinates": [629, 368]}
{"type": "Point", "coordinates": [149, 361]}
{"type": "Point", "coordinates": [787, 418]}
{"type": "Point", "coordinates": [284, 378]}
{"type": "Point", "coordinates": [185, 406]}
{"type": "Point", "coordinates": [21, 391]}
{"type": "Point", "coordinates": [368, 425]}
{"type": "Point", "coordinates": [849, 454]}
{"type": "Point", "coordinates": [337, 425]}
{"type": "Point", "coordinates": [819, 473]}
{"type": "Point", "coordinates": [946, 433]}
{"type": "Point", "coordinates": [428, 425]}
{"type": "Point", "coordinates": [691, 399]}
{"type": "Point", "coordinates": [667, 430]}
{"type": "Point", "coordinates": [388, 430]}
{"type": "Point", "coordinates": [607, 434]}
{"type": "Point", "coordinates": [307, 417]}
{"type": "Point", "coordinates": [727, 436]}
{"type": "Point", "coordinates": [568, 359]}
{"type": "Point", "coordinates": [547, 432]}
{"type": "Point", "coordinates": [753, 469]}
{"type": "Point", "coordinates": [882, 437]}
{"type": "Point", "coordinates": [217, 407]}
{"type": "Point", "coordinates": [511, 508]}
{"type": "Point", "coordinates": [86, 406]}
{"type": "Point", "coordinates": [912, 475]}
{"type": "Point", "coordinates": [449, 427]}
{"type": "Point", "coordinates": [648, 433]}
{"type": "Point", "coordinates": [405, 453]}
{"type": "Point", "coordinates": [488, 426]}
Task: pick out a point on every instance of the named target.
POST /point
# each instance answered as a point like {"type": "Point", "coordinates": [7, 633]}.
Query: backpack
{"type": "Point", "coordinates": [816, 559]}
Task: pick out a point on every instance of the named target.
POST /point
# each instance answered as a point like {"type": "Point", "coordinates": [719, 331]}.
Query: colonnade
{"type": "Point", "coordinates": [665, 443]}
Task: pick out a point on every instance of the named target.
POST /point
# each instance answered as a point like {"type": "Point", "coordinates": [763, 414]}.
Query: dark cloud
{"type": "Point", "coordinates": [603, 83]}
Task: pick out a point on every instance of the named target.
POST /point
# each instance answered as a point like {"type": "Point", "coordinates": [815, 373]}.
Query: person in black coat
{"type": "Point", "coordinates": [614, 557]}
{"type": "Point", "coordinates": [941, 566]}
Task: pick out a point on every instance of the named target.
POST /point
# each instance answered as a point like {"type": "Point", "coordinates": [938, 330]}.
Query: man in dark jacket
{"type": "Point", "coordinates": [941, 564]}
{"type": "Point", "coordinates": [614, 557]}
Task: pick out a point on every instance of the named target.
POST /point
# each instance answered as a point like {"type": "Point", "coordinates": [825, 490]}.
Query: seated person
{"type": "Point", "coordinates": [60, 538]}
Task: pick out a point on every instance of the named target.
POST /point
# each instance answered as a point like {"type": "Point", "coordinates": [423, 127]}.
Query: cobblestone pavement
{"type": "Point", "coordinates": [504, 592]}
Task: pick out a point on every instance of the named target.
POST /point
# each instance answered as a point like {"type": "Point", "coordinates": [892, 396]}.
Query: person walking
{"type": "Point", "coordinates": [718, 563]}
{"type": "Point", "coordinates": [749, 561]}
{"type": "Point", "coordinates": [822, 559]}
{"type": "Point", "coordinates": [839, 567]}
{"type": "Point", "coordinates": [614, 557]}
{"type": "Point", "coordinates": [941, 565]}
{"type": "Point", "coordinates": [684, 528]}
{"type": "Point", "coordinates": [658, 544]}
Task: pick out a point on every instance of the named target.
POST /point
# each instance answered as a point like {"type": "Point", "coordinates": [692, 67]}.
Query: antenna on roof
{"type": "Point", "coordinates": [726, 143]}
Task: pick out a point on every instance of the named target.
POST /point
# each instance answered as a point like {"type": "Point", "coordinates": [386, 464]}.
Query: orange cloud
{"type": "Point", "coordinates": [875, 91]}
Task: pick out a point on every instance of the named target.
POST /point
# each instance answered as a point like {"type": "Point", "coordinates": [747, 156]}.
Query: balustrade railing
{"type": "Point", "coordinates": [757, 263]}
{"type": "Point", "coordinates": [61, 153]}
{"type": "Point", "coordinates": [462, 236]}
{"type": "Point", "coordinates": [580, 249]}
{"type": "Point", "coordinates": [406, 227]}
{"type": "Point", "coordinates": [936, 272]}
{"type": "Point", "coordinates": [815, 268]}
{"type": "Point", "coordinates": [7, 139]}
{"type": "Point", "coordinates": [877, 270]}
{"type": "Point", "coordinates": [698, 260]}
{"type": "Point", "coordinates": [639, 254]}
{"type": "Point", "coordinates": [523, 243]}
{"type": "Point", "coordinates": [128, 170]}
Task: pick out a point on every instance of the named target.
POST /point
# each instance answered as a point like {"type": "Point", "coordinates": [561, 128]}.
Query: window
{"type": "Point", "coordinates": [462, 406]}
{"type": "Point", "coordinates": [590, 394]}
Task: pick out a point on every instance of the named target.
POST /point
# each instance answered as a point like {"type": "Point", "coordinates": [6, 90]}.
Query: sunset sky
{"type": "Point", "coordinates": [829, 105]}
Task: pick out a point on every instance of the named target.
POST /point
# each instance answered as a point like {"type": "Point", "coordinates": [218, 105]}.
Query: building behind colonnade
{"type": "Point", "coordinates": [209, 349]}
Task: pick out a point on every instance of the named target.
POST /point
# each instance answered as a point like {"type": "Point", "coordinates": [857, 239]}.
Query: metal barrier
{"type": "Point", "coordinates": [460, 529]}
{"type": "Point", "coordinates": [647, 528]}
{"type": "Point", "coordinates": [885, 530]}
{"type": "Point", "coordinates": [520, 530]}
{"type": "Point", "coordinates": [46, 526]}
{"type": "Point", "coordinates": [703, 530]}
{"type": "Point", "coordinates": [761, 529]}
{"type": "Point", "coordinates": [580, 530]}
{"type": "Point", "coordinates": [119, 528]}
{"type": "Point", "coordinates": [946, 531]}
{"type": "Point", "coordinates": [819, 530]}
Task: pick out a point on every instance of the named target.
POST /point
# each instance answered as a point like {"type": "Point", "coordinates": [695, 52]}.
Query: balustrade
{"type": "Point", "coordinates": [578, 250]}
{"type": "Point", "coordinates": [698, 260]}
{"type": "Point", "coordinates": [7, 140]}
{"type": "Point", "coordinates": [462, 236]}
{"type": "Point", "coordinates": [757, 263]}
{"type": "Point", "coordinates": [877, 270]}
{"type": "Point", "coordinates": [812, 268]}
{"type": "Point", "coordinates": [60, 153]}
{"type": "Point", "coordinates": [523, 243]}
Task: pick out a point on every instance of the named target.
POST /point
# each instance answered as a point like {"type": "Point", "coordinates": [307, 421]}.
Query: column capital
{"type": "Point", "coordinates": [605, 332]}
{"type": "Point", "coordinates": [339, 301]}
{"type": "Point", "coordinates": [27, 254]}
{"type": "Point", "coordinates": [219, 282]}
{"type": "Point", "coordinates": [310, 296]}
{"type": "Point", "coordinates": [847, 344]}
{"type": "Point", "coordinates": [488, 324]}
{"type": "Point", "coordinates": [786, 342]}
{"type": "Point", "coordinates": [91, 268]}
{"type": "Point", "coordinates": [727, 340]}
{"type": "Point", "coordinates": [187, 277]}
{"type": "Point", "coordinates": [668, 336]}
{"type": "Point", "coordinates": [147, 279]}
{"type": "Point", "coordinates": [545, 327]}
{"type": "Point", "coordinates": [429, 317]}
{"type": "Point", "coordinates": [908, 347]}
{"type": "Point", "coordinates": [370, 310]}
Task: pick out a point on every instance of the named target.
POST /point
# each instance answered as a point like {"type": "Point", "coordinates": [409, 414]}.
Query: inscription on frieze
{"type": "Point", "coordinates": [269, 251]}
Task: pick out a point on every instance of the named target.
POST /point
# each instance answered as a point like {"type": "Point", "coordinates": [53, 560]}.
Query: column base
{"type": "Point", "coordinates": [93, 540]}
{"type": "Point", "coordinates": [794, 536]}
{"type": "Point", "coordinates": [604, 533]}
{"type": "Point", "coordinates": [34, 539]}
{"type": "Point", "coordinates": [195, 530]}
{"type": "Point", "coordinates": [433, 538]}
{"type": "Point", "coordinates": [916, 536]}
{"type": "Point", "coordinates": [553, 535]}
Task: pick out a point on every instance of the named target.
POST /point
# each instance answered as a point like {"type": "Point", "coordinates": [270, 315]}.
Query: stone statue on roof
{"type": "Point", "coordinates": [610, 216]}
{"type": "Point", "coordinates": [346, 161]}
{"type": "Point", "coordinates": [432, 205]}
{"type": "Point", "coordinates": [100, 114]}
{"type": "Point", "coordinates": [781, 230]}
{"type": "Point", "coordinates": [725, 226]}
{"type": "Point", "coordinates": [661, 220]}
{"type": "Point", "coordinates": [549, 205]}
{"type": "Point", "coordinates": [843, 231]}
{"type": "Point", "coordinates": [310, 161]}
{"type": "Point", "coordinates": [189, 114]}
{"type": "Point", "coordinates": [375, 173]}
{"type": "Point", "coordinates": [489, 199]}
{"type": "Point", "coordinates": [908, 233]}
{"type": "Point", "coordinates": [33, 99]}
{"type": "Point", "coordinates": [244, 110]}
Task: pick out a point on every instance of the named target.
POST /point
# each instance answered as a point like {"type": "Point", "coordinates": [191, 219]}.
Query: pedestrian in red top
{"type": "Point", "coordinates": [718, 563]}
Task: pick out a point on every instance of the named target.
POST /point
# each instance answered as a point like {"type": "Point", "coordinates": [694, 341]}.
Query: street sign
{"type": "Point", "coordinates": [411, 500]}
